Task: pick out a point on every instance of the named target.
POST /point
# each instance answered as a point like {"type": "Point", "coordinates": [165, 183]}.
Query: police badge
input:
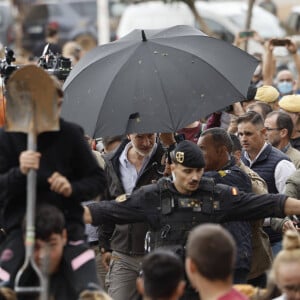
{"type": "Point", "coordinates": [180, 157]}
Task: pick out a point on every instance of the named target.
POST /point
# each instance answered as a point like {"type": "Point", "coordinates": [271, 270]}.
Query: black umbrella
{"type": "Point", "coordinates": [155, 81]}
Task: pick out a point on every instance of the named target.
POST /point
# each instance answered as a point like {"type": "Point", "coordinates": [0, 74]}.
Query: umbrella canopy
{"type": "Point", "coordinates": [155, 81]}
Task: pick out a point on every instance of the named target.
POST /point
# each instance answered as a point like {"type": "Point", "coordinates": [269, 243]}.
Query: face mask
{"type": "Point", "coordinates": [285, 87]}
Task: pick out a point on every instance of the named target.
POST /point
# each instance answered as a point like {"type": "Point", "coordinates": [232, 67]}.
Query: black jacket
{"type": "Point", "coordinates": [61, 286]}
{"type": "Point", "coordinates": [229, 204]}
{"type": "Point", "coordinates": [128, 239]}
{"type": "Point", "coordinates": [64, 151]}
{"type": "Point", "coordinates": [172, 215]}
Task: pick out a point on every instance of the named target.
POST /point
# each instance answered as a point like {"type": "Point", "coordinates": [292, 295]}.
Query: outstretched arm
{"type": "Point", "coordinates": [292, 206]}
{"type": "Point", "coordinates": [141, 206]}
{"type": "Point", "coordinates": [105, 212]}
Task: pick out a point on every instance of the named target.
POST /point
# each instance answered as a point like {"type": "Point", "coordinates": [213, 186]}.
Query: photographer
{"type": "Point", "coordinates": [52, 38]}
{"type": "Point", "coordinates": [6, 68]}
{"type": "Point", "coordinates": [56, 65]}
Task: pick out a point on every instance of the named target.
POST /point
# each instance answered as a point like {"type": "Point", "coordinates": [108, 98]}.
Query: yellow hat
{"type": "Point", "coordinates": [290, 103]}
{"type": "Point", "coordinates": [266, 93]}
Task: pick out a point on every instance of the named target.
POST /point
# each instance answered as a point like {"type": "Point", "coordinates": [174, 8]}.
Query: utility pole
{"type": "Point", "coordinates": [103, 22]}
{"type": "Point", "coordinates": [248, 20]}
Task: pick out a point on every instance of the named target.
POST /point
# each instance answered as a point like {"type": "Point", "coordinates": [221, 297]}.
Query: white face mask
{"type": "Point", "coordinates": [173, 176]}
{"type": "Point", "coordinates": [285, 87]}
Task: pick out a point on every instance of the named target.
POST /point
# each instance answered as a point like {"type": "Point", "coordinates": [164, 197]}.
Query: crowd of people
{"type": "Point", "coordinates": [134, 216]}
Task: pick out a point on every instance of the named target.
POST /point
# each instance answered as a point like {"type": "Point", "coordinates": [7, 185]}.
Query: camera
{"type": "Point", "coordinates": [56, 65]}
{"type": "Point", "coordinates": [6, 67]}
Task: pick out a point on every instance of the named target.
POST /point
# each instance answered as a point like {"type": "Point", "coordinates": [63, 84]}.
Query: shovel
{"type": "Point", "coordinates": [32, 109]}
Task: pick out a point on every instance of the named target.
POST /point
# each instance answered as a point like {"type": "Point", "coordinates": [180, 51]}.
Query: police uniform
{"type": "Point", "coordinates": [171, 215]}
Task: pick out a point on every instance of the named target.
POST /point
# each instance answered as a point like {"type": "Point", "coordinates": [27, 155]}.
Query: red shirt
{"type": "Point", "coordinates": [233, 294]}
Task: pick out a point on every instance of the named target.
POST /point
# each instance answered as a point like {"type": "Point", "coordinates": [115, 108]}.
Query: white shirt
{"type": "Point", "coordinates": [129, 174]}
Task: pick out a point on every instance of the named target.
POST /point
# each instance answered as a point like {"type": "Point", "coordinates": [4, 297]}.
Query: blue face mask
{"type": "Point", "coordinates": [285, 87]}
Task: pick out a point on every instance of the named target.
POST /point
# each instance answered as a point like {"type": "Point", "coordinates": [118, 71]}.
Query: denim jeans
{"type": "Point", "coordinates": [276, 247]}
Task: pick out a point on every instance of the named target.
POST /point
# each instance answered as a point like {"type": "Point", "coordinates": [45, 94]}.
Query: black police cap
{"type": "Point", "coordinates": [188, 154]}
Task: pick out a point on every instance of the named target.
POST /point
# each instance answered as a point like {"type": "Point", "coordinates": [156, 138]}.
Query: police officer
{"type": "Point", "coordinates": [216, 146]}
{"type": "Point", "coordinates": [172, 209]}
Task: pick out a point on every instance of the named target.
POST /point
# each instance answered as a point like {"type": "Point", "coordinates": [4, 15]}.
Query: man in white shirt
{"type": "Point", "coordinates": [267, 161]}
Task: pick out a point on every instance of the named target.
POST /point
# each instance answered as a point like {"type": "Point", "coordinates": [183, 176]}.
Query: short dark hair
{"type": "Point", "coordinates": [213, 251]}
{"type": "Point", "coordinates": [52, 29]}
{"type": "Point", "coordinates": [220, 137]}
{"type": "Point", "coordinates": [265, 108]}
{"type": "Point", "coordinates": [283, 121]}
{"type": "Point", "coordinates": [162, 270]}
{"type": "Point", "coordinates": [49, 219]}
{"type": "Point", "coordinates": [252, 117]}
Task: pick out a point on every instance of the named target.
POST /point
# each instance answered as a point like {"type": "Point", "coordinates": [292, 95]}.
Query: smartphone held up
{"type": "Point", "coordinates": [280, 42]}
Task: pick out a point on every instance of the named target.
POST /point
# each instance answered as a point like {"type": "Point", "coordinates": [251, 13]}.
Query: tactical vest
{"type": "Point", "coordinates": [179, 214]}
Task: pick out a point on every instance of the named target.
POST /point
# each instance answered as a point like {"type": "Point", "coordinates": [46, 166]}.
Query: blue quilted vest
{"type": "Point", "coordinates": [265, 166]}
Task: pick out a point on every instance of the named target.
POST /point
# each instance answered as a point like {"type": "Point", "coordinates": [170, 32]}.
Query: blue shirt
{"type": "Point", "coordinates": [129, 174]}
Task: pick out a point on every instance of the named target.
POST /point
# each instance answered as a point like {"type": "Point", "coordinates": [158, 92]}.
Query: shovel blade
{"type": "Point", "coordinates": [31, 101]}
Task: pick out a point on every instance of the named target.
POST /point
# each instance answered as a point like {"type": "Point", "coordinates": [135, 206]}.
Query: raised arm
{"type": "Point", "coordinates": [292, 48]}
{"type": "Point", "coordinates": [268, 63]}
